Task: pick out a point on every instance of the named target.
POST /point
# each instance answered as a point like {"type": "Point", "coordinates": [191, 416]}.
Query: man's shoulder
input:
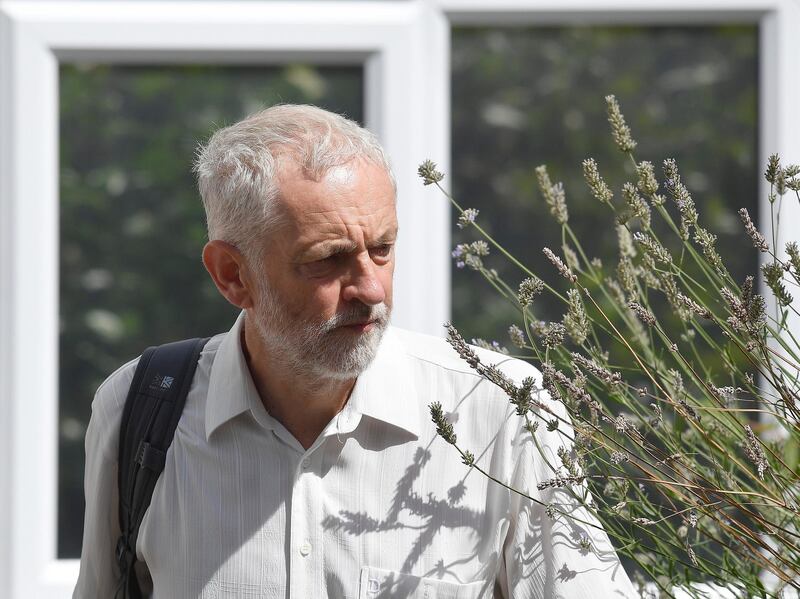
{"type": "Point", "coordinates": [102, 435]}
{"type": "Point", "coordinates": [113, 391]}
{"type": "Point", "coordinates": [438, 353]}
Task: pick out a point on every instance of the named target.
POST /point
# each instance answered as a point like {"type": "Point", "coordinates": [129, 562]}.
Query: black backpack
{"type": "Point", "coordinates": [152, 410]}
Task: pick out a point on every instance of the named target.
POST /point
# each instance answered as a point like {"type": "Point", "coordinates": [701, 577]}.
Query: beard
{"type": "Point", "coordinates": [323, 350]}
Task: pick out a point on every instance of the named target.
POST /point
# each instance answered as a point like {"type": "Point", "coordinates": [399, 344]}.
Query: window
{"type": "Point", "coordinates": [525, 96]}
{"type": "Point", "coordinates": [360, 68]}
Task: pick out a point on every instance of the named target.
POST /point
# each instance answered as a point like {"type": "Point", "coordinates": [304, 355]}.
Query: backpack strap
{"type": "Point", "coordinates": [152, 410]}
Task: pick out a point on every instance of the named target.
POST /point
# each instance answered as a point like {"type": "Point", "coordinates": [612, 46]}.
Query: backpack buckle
{"type": "Point", "coordinates": [150, 457]}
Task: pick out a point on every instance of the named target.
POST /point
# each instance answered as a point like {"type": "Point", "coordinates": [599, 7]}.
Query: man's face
{"type": "Point", "coordinates": [324, 290]}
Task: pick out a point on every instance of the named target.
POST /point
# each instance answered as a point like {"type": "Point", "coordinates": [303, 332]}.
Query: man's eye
{"type": "Point", "coordinates": [321, 266]}
{"type": "Point", "coordinates": [382, 250]}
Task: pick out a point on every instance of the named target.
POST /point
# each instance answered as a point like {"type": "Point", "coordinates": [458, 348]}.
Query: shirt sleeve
{"type": "Point", "coordinates": [99, 571]}
{"type": "Point", "coordinates": [564, 555]}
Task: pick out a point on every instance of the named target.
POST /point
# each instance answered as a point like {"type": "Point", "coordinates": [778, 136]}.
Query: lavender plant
{"type": "Point", "coordinates": [695, 473]}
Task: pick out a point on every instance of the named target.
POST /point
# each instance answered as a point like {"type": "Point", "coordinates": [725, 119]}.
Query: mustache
{"type": "Point", "coordinates": [357, 314]}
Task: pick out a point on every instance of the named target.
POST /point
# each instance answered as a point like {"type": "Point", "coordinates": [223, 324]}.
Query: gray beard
{"type": "Point", "coordinates": [319, 351]}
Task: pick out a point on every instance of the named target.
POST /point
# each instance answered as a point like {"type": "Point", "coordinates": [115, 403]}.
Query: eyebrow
{"type": "Point", "coordinates": [343, 246]}
{"type": "Point", "coordinates": [388, 237]}
{"type": "Point", "coordinates": [326, 248]}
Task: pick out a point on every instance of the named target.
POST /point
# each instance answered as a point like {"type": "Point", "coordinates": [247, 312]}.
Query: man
{"type": "Point", "coordinates": [305, 464]}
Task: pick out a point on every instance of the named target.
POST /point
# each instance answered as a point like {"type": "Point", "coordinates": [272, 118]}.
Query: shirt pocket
{"type": "Point", "coordinates": [377, 583]}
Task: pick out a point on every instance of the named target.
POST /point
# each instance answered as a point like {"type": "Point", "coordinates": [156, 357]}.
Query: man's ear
{"type": "Point", "coordinates": [226, 265]}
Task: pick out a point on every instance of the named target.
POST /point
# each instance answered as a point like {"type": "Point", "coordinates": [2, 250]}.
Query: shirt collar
{"type": "Point", "coordinates": [231, 390]}
{"type": "Point", "coordinates": [385, 391]}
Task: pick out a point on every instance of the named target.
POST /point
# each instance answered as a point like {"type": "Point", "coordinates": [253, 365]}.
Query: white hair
{"type": "Point", "coordinates": [237, 170]}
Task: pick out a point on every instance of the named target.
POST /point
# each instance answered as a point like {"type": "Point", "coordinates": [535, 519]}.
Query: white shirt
{"type": "Point", "coordinates": [378, 506]}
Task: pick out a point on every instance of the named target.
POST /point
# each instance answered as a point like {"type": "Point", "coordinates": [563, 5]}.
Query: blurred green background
{"type": "Point", "coordinates": [132, 225]}
{"type": "Point", "coordinates": [522, 97]}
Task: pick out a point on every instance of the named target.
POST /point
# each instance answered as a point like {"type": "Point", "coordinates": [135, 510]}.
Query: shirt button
{"type": "Point", "coordinates": [305, 549]}
{"type": "Point", "coordinates": [306, 464]}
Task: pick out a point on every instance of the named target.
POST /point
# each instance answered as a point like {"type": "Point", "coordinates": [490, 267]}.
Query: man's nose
{"type": "Point", "coordinates": [362, 282]}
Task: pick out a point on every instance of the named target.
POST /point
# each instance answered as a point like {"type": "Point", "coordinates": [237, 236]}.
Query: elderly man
{"type": "Point", "coordinates": [304, 464]}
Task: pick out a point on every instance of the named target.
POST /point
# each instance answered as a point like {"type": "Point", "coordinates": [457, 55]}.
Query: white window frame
{"type": "Point", "coordinates": [404, 45]}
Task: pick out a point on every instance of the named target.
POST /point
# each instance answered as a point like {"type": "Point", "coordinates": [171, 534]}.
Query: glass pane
{"type": "Point", "coordinates": [522, 97]}
{"type": "Point", "coordinates": [132, 224]}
